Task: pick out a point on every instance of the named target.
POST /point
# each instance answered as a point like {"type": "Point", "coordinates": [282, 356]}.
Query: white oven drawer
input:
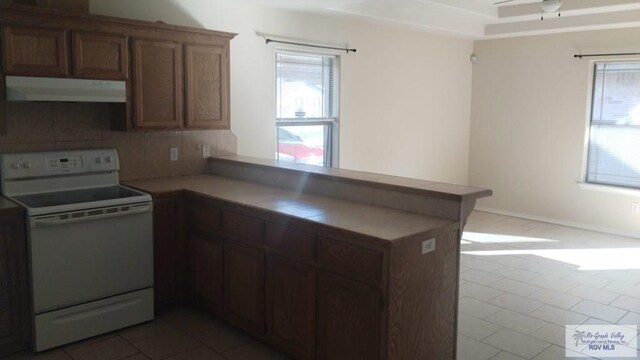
{"type": "Point", "coordinates": [63, 326]}
{"type": "Point", "coordinates": [75, 259]}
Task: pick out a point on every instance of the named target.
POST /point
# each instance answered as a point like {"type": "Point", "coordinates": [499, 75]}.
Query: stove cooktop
{"type": "Point", "coordinates": [76, 196]}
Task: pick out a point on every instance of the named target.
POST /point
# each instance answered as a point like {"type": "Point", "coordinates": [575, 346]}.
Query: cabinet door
{"type": "Point", "coordinates": [205, 270]}
{"type": "Point", "coordinates": [349, 315]}
{"type": "Point", "coordinates": [35, 52]}
{"type": "Point", "coordinates": [157, 79]}
{"type": "Point", "coordinates": [243, 295]}
{"type": "Point", "coordinates": [14, 298]}
{"type": "Point", "coordinates": [291, 300]}
{"type": "Point", "coordinates": [100, 56]}
{"type": "Point", "coordinates": [168, 250]}
{"type": "Point", "coordinates": [207, 86]}
{"type": "Point", "coordinates": [203, 213]}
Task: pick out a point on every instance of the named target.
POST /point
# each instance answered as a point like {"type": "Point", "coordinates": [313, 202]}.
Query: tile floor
{"type": "Point", "coordinates": [179, 334]}
{"type": "Point", "coordinates": [521, 282]}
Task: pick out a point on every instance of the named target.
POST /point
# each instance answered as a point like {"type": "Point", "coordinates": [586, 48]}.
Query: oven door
{"type": "Point", "coordinates": [80, 256]}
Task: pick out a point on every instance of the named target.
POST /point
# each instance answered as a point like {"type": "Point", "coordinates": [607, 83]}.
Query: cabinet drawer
{"type": "Point", "coordinates": [243, 227]}
{"type": "Point", "coordinates": [353, 261]}
{"type": "Point", "coordinates": [204, 215]}
{"type": "Point", "coordinates": [292, 243]}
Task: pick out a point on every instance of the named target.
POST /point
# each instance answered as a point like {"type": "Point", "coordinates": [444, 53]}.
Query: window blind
{"type": "Point", "coordinates": [614, 140]}
{"type": "Point", "coordinates": [305, 86]}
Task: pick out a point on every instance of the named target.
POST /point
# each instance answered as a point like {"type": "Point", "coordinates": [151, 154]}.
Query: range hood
{"type": "Point", "coordinates": [21, 88]}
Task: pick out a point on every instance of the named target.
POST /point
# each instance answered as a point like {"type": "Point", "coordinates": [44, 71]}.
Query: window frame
{"type": "Point", "coordinates": [331, 149]}
{"type": "Point", "coordinates": [584, 183]}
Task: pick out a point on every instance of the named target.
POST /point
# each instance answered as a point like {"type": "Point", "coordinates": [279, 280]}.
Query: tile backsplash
{"type": "Point", "coordinates": [46, 126]}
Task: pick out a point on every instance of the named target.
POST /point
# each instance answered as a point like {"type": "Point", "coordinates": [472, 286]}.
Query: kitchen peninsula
{"type": "Point", "coordinates": [322, 263]}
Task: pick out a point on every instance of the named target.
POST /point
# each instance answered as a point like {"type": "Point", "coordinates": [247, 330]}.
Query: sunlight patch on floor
{"type": "Point", "coordinates": [586, 259]}
{"type": "Point", "coordinates": [486, 238]}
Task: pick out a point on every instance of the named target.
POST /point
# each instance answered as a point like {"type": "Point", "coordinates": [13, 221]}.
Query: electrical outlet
{"type": "Point", "coordinates": [635, 208]}
{"type": "Point", "coordinates": [428, 246]}
{"type": "Point", "coordinates": [206, 151]}
{"type": "Point", "coordinates": [173, 154]}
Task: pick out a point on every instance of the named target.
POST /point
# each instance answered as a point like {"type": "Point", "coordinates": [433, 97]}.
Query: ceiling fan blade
{"type": "Point", "coordinates": [502, 2]}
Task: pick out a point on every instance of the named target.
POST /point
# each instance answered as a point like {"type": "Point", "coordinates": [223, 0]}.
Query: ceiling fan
{"type": "Point", "coordinates": [547, 6]}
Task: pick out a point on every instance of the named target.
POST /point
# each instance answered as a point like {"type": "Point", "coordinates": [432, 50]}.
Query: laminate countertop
{"type": "Point", "coordinates": [382, 223]}
{"type": "Point", "coordinates": [402, 184]}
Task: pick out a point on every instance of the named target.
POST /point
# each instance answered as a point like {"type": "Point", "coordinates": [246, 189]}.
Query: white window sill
{"type": "Point", "coordinates": [608, 189]}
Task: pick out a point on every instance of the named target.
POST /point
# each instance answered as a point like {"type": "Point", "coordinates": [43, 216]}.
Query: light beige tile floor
{"type": "Point", "coordinates": [521, 282]}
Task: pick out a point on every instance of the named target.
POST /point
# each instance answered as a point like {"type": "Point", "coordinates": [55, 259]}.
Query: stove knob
{"type": "Point", "coordinates": [26, 165]}
{"type": "Point", "coordinates": [98, 160]}
{"type": "Point", "coordinates": [15, 166]}
{"type": "Point", "coordinates": [107, 159]}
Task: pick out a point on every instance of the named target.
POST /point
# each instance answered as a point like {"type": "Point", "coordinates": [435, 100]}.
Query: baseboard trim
{"type": "Point", "coordinates": [583, 226]}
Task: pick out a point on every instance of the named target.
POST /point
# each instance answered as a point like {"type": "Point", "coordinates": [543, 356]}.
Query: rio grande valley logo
{"type": "Point", "coordinates": [601, 341]}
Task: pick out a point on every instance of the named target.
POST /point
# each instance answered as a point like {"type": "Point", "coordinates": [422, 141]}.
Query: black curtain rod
{"type": "Point", "coordinates": [309, 45]}
{"type": "Point", "coordinates": [596, 55]}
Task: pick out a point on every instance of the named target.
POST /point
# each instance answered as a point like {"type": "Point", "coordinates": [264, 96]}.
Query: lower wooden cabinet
{"type": "Point", "coordinates": [243, 295]}
{"type": "Point", "coordinates": [314, 294]}
{"type": "Point", "coordinates": [168, 251]}
{"type": "Point", "coordinates": [349, 316]}
{"type": "Point", "coordinates": [204, 269]}
{"type": "Point", "coordinates": [291, 306]}
{"type": "Point", "coordinates": [14, 296]}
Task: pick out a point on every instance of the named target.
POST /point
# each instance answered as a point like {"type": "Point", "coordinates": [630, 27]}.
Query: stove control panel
{"type": "Point", "coordinates": [65, 162]}
{"type": "Point", "coordinates": [46, 164]}
{"type": "Point", "coordinates": [104, 160]}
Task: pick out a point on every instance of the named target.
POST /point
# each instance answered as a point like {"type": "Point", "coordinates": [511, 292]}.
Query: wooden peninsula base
{"type": "Point", "coordinates": [324, 264]}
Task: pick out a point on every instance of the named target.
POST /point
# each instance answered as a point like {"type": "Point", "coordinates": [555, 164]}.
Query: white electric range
{"type": "Point", "coordinates": [90, 243]}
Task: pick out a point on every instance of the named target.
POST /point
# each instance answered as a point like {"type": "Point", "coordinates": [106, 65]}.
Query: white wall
{"type": "Point", "coordinates": [529, 120]}
{"type": "Point", "coordinates": [405, 95]}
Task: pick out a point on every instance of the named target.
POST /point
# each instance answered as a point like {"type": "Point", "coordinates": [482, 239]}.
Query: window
{"type": "Point", "coordinates": [614, 138]}
{"type": "Point", "coordinates": [307, 108]}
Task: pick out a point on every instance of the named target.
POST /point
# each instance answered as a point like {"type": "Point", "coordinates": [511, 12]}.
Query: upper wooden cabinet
{"type": "Point", "coordinates": [177, 77]}
{"type": "Point", "coordinates": [157, 81]}
{"type": "Point", "coordinates": [44, 52]}
{"type": "Point", "coordinates": [35, 51]}
{"type": "Point", "coordinates": [100, 56]}
{"type": "Point", "coordinates": [207, 86]}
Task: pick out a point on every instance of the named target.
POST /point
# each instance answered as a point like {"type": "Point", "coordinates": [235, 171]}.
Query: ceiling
{"type": "Point", "coordinates": [478, 19]}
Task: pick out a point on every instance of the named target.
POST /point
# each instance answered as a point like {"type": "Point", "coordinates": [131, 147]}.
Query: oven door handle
{"type": "Point", "coordinates": [90, 215]}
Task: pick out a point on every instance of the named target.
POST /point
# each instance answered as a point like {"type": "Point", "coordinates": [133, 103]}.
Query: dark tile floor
{"type": "Point", "coordinates": [179, 334]}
